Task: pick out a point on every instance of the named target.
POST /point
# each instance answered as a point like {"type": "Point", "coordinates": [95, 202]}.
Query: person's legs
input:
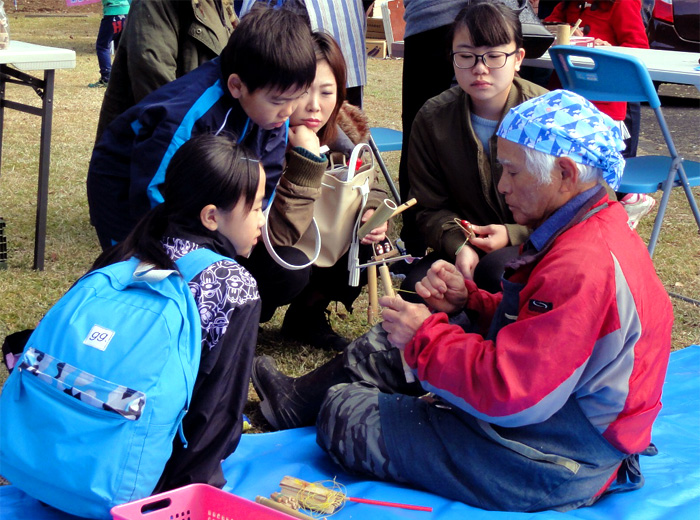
{"type": "Point", "coordinates": [633, 122]}
{"type": "Point", "coordinates": [307, 318]}
{"type": "Point", "coordinates": [349, 429]}
{"type": "Point", "coordinates": [354, 95]}
{"type": "Point", "coordinates": [427, 71]}
{"type": "Point", "coordinates": [104, 59]}
{"type": "Point", "coordinates": [637, 205]}
{"type": "Point", "coordinates": [560, 464]}
{"type": "Point", "coordinates": [118, 25]}
{"type": "Point", "coordinates": [289, 402]}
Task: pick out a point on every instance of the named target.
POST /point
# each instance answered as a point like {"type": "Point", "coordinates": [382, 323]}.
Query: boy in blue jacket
{"type": "Point", "coordinates": [248, 93]}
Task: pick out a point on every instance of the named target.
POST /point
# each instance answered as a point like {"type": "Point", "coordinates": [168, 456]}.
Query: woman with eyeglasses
{"type": "Point", "coordinates": [452, 166]}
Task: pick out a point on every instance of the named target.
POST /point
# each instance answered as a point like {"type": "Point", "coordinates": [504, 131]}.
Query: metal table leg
{"type": "Point", "coordinates": [44, 89]}
{"type": "Point", "coordinates": [42, 199]}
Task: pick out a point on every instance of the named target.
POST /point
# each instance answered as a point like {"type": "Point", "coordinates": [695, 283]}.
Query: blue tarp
{"type": "Point", "coordinates": [672, 489]}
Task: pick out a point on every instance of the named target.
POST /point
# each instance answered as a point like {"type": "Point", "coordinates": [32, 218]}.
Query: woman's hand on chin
{"type": "Point", "coordinates": [305, 138]}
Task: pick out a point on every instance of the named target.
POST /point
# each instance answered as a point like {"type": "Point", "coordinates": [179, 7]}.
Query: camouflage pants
{"type": "Point", "coordinates": [380, 427]}
{"type": "Point", "coordinates": [348, 425]}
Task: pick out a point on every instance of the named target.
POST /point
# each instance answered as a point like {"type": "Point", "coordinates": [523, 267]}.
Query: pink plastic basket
{"type": "Point", "coordinates": [195, 502]}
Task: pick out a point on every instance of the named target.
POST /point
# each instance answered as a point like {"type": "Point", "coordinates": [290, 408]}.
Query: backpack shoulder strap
{"type": "Point", "coordinates": [197, 260]}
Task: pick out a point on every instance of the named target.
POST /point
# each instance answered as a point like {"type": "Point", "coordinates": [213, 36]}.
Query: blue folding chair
{"type": "Point", "coordinates": [604, 75]}
{"type": "Point", "coordinates": [386, 140]}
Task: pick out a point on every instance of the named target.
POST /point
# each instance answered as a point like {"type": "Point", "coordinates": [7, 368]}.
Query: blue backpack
{"type": "Point", "coordinates": [88, 415]}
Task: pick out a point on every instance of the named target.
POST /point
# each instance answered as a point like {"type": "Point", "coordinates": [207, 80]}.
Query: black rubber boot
{"type": "Point", "coordinates": [310, 324]}
{"type": "Point", "coordinates": [288, 402]}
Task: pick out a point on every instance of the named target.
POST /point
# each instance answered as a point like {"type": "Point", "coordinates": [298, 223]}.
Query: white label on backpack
{"type": "Point", "coordinates": [98, 337]}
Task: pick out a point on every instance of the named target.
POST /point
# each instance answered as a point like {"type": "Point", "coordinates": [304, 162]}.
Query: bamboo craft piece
{"type": "Point", "coordinates": [373, 308]}
{"type": "Point", "coordinates": [573, 29]}
{"type": "Point", "coordinates": [373, 222]}
{"type": "Point", "coordinates": [383, 213]}
{"type": "Point", "coordinates": [314, 496]}
{"type": "Point", "coordinates": [379, 259]}
{"type": "Point", "coordinates": [267, 502]}
{"type": "Point", "coordinates": [381, 256]}
{"type": "Point", "coordinates": [403, 207]}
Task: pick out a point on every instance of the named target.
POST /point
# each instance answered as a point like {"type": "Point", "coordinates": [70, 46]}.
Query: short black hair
{"type": "Point", "coordinates": [490, 23]}
{"type": "Point", "coordinates": [271, 48]}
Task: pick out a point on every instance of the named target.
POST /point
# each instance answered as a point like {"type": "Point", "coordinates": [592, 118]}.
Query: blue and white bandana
{"type": "Point", "coordinates": [564, 124]}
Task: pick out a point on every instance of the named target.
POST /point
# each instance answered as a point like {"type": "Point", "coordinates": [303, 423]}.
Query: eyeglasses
{"type": "Point", "coordinates": [492, 60]}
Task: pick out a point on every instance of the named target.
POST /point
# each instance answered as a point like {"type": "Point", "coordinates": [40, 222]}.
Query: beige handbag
{"type": "Point", "coordinates": [337, 212]}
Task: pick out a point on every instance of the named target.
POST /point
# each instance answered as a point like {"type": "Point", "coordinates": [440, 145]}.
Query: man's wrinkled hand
{"type": "Point", "coordinates": [466, 261]}
{"type": "Point", "coordinates": [443, 288]}
{"type": "Point", "coordinates": [402, 319]}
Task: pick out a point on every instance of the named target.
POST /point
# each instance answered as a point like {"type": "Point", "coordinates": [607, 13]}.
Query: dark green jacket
{"type": "Point", "coordinates": [451, 175]}
{"type": "Point", "coordinates": [163, 40]}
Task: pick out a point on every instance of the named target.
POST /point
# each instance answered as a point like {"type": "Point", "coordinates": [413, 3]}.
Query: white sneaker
{"type": "Point", "coordinates": [637, 205]}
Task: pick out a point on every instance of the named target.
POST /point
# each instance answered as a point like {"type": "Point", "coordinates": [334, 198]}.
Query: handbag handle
{"type": "Point", "coordinates": [277, 258]}
{"type": "Point", "coordinates": [352, 166]}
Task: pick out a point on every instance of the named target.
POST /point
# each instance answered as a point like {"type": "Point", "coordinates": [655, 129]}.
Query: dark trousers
{"type": "Point", "coordinates": [110, 30]}
{"type": "Point", "coordinates": [277, 285]}
{"type": "Point", "coordinates": [633, 122]}
{"type": "Point", "coordinates": [354, 95]}
{"type": "Point", "coordinates": [378, 426]}
{"type": "Point", "coordinates": [427, 71]}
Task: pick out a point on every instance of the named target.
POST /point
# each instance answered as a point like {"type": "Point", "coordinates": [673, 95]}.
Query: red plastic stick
{"type": "Point", "coordinates": [389, 504]}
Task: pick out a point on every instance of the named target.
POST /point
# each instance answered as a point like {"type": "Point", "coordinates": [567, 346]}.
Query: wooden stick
{"type": "Point", "coordinates": [573, 29]}
{"type": "Point", "coordinates": [281, 507]}
{"type": "Point", "coordinates": [388, 504]}
{"type": "Point", "coordinates": [389, 291]}
{"type": "Point", "coordinates": [403, 207]}
{"type": "Point", "coordinates": [387, 260]}
{"type": "Point", "coordinates": [386, 280]}
{"type": "Point", "coordinates": [373, 309]}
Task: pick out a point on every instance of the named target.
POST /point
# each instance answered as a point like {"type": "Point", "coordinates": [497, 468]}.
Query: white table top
{"type": "Point", "coordinates": [669, 66]}
{"type": "Point", "coordinates": [28, 56]}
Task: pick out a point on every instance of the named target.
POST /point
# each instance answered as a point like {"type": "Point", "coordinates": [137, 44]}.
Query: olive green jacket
{"type": "Point", "coordinates": [163, 40]}
{"type": "Point", "coordinates": [452, 176]}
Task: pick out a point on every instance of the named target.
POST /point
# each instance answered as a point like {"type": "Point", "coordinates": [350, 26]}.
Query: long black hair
{"type": "Point", "coordinates": [207, 169]}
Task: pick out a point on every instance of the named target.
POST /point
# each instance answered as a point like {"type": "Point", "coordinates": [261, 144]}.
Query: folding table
{"type": "Point", "coordinates": [663, 66]}
{"type": "Point", "coordinates": [18, 57]}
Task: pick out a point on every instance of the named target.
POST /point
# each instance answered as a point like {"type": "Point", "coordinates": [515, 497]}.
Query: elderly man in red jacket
{"type": "Point", "coordinates": [546, 399]}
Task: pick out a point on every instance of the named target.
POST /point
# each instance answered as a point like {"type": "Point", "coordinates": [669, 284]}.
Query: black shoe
{"type": "Point", "coordinates": [100, 83]}
{"type": "Point", "coordinates": [311, 325]}
{"type": "Point", "coordinates": [289, 402]}
{"type": "Point", "coordinates": [276, 392]}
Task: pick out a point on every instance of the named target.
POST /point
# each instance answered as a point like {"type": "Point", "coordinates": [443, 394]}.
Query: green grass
{"type": "Point", "coordinates": [72, 246]}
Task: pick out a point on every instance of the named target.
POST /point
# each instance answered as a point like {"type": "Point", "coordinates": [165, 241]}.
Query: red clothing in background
{"type": "Point", "coordinates": [618, 23]}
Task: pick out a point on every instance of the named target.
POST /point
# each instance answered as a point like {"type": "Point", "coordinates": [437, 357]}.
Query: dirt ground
{"type": "Point", "coordinates": [50, 7]}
